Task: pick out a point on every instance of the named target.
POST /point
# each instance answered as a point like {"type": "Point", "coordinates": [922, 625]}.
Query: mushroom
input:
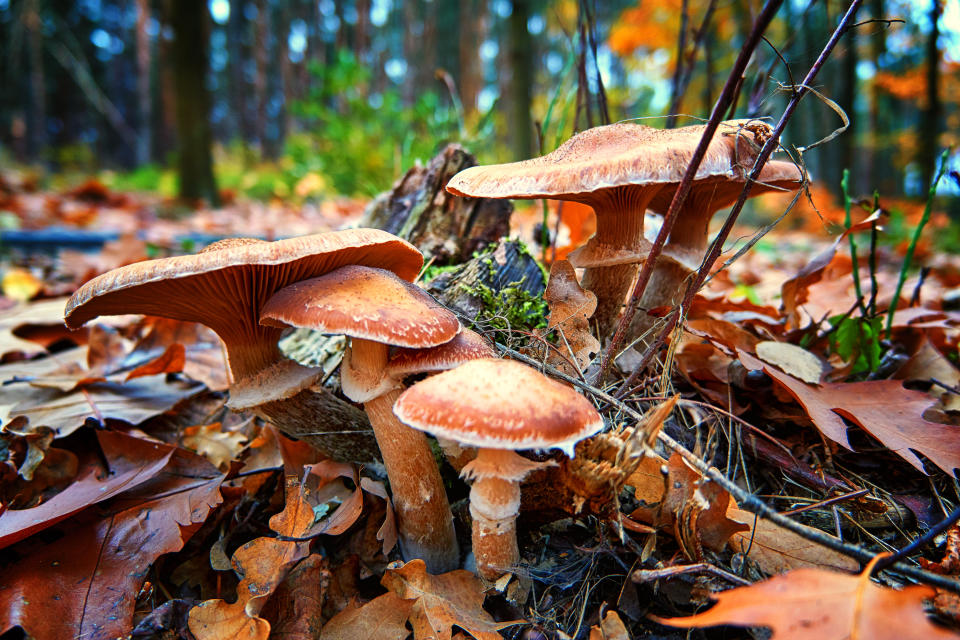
{"type": "Point", "coordinates": [223, 287]}
{"type": "Point", "coordinates": [376, 309]}
{"type": "Point", "coordinates": [687, 244]}
{"type": "Point", "coordinates": [617, 169]}
{"type": "Point", "coordinates": [498, 406]}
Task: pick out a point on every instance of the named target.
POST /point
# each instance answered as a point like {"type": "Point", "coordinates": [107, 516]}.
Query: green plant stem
{"type": "Point", "coordinates": [874, 287]}
{"type": "Point", "coordinates": [907, 259]}
{"type": "Point", "coordinates": [845, 185]}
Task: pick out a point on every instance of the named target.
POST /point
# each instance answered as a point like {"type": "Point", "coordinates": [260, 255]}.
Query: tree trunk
{"type": "Point", "coordinates": [189, 54]}
{"type": "Point", "coordinates": [260, 45]}
{"type": "Point", "coordinates": [930, 122]}
{"type": "Point", "coordinates": [521, 84]}
{"type": "Point", "coordinates": [144, 104]}
{"type": "Point", "coordinates": [37, 119]}
{"type": "Point", "coordinates": [845, 98]}
{"type": "Point", "coordinates": [236, 40]}
{"type": "Point", "coordinates": [473, 31]}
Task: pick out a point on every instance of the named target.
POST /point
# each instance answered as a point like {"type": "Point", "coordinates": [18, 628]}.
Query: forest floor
{"type": "Point", "coordinates": [132, 501]}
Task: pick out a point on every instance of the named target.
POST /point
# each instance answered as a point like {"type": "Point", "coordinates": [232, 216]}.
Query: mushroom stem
{"type": "Point", "coordinates": [666, 286]}
{"type": "Point", "coordinates": [620, 217]}
{"type": "Point", "coordinates": [424, 520]}
{"type": "Point", "coordinates": [494, 505]}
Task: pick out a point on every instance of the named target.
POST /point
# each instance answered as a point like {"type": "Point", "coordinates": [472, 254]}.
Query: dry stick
{"type": "Point", "coordinates": [772, 143]}
{"type": "Point", "coordinates": [746, 500]}
{"type": "Point", "coordinates": [726, 97]}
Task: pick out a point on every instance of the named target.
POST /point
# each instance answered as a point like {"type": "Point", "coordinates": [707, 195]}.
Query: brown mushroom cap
{"type": "Point", "coordinates": [466, 346]}
{"type": "Point", "coordinates": [363, 302]}
{"type": "Point", "coordinates": [225, 286]}
{"type": "Point", "coordinates": [612, 156]}
{"type": "Point", "coordinates": [499, 404]}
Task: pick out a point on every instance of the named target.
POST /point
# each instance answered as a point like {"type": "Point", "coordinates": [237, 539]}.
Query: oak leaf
{"type": "Point", "coordinates": [383, 618]}
{"type": "Point", "coordinates": [214, 443]}
{"type": "Point", "coordinates": [813, 604]}
{"type": "Point", "coordinates": [610, 628]}
{"type": "Point", "coordinates": [570, 309]}
{"type": "Point", "coordinates": [444, 601]}
{"type": "Point", "coordinates": [883, 408]}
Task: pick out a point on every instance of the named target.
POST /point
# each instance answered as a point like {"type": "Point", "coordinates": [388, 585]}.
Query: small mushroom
{"type": "Point", "coordinates": [376, 309]}
{"type": "Point", "coordinates": [498, 406]}
{"type": "Point", "coordinates": [618, 170]}
{"type": "Point", "coordinates": [223, 287]}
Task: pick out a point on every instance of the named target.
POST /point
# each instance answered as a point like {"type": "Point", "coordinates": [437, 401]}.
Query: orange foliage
{"type": "Point", "coordinates": [651, 25]}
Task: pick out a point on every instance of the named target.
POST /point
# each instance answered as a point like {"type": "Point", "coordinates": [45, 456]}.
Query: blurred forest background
{"type": "Point", "coordinates": [312, 98]}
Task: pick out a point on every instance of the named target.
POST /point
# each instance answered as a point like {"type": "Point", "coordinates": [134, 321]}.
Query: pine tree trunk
{"type": "Point", "coordinates": [930, 122]}
{"type": "Point", "coordinates": [144, 103]}
{"type": "Point", "coordinates": [37, 118]}
{"type": "Point", "coordinates": [521, 85]}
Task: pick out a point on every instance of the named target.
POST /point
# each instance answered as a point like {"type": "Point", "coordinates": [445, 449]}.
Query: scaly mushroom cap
{"type": "Point", "coordinates": [499, 404]}
{"type": "Point", "coordinates": [468, 345]}
{"type": "Point", "coordinates": [225, 286]}
{"type": "Point", "coordinates": [612, 156]}
{"type": "Point", "coordinates": [363, 302]}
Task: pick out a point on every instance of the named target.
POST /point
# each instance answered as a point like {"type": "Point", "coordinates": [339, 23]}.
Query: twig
{"type": "Point", "coordinates": [922, 540]}
{"type": "Point", "coordinates": [772, 143]}
{"type": "Point", "coordinates": [649, 575]}
{"type": "Point", "coordinates": [723, 101]}
{"type": "Point", "coordinates": [827, 502]}
{"type": "Point", "coordinates": [745, 500]}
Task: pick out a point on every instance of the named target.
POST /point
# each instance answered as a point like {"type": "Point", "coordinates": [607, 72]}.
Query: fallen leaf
{"type": "Point", "coordinates": [693, 507]}
{"type": "Point", "coordinates": [46, 313]}
{"type": "Point", "coordinates": [571, 306]}
{"type": "Point", "coordinates": [171, 360]}
{"type": "Point", "coordinates": [812, 604]}
{"type": "Point", "coordinates": [263, 563]}
{"type": "Point", "coordinates": [295, 607]}
{"type": "Point", "coordinates": [132, 462]}
{"type": "Point", "coordinates": [81, 579]}
{"type": "Point", "coordinates": [794, 292]}
{"type": "Point", "coordinates": [610, 628]}
{"type": "Point", "coordinates": [778, 550]}
{"type": "Point", "coordinates": [444, 601]}
{"type": "Point", "coordinates": [792, 359]}
{"type": "Point", "coordinates": [383, 618]}
{"type": "Point", "coordinates": [928, 363]}
{"type": "Point", "coordinates": [883, 408]}
{"type": "Point", "coordinates": [214, 443]}
{"type": "Point", "coordinates": [20, 284]}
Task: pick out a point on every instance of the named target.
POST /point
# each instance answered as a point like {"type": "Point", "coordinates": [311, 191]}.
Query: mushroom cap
{"type": "Point", "coordinates": [499, 404]}
{"type": "Point", "coordinates": [225, 286]}
{"type": "Point", "coordinates": [615, 155]}
{"type": "Point", "coordinates": [363, 302]}
{"type": "Point", "coordinates": [714, 194]}
{"type": "Point", "coordinates": [467, 345]}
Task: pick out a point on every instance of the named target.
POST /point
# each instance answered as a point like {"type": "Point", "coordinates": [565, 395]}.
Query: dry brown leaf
{"type": "Point", "coordinates": [570, 309]}
{"type": "Point", "coordinates": [171, 360]}
{"type": "Point", "coordinates": [883, 408]}
{"type": "Point", "coordinates": [444, 601]}
{"type": "Point", "coordinates": [692, 506]}
{"type": "Point", "coordinates": [47, 313]}
{"type": "Point", "coordinates": [296, 606]}
{"type": "Point", "coordinates": [107, 550]}
{"type": "Point", "coordinates": [216, 445]}
{"type": "Point", "coordinates": [20, 284]}
{"type": "Point", "coordinates": [132, 462]}
{"type": "Point", "coordinates": [778, 550]}
{"type": "Point", "coordinates": [795, 291]}
{"type": "Point", "coordinates": [928, 363]}
{"type": "Point", "coordinates": [610, 628]}
{"type": "Point", "coordinates": [263, 563]}
{"type": "Point", "coordinates": [811, 604]}
{"type": "Point", "coordinates": [792, 359]}
{"type": "Point", "coordinates": [383, 618]}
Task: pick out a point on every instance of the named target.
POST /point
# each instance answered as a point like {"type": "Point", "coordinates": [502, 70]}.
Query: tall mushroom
{"type": "Point", "coordinates": [617, 169]}
{"type": "Point", "coordinates": [498, 406]}
{"type": "Point", "coordinates": [224, 287]}
{"type": "Point", "coordinates": [687, 244]}
{"type": "Point", "coordinates": [376, 309]}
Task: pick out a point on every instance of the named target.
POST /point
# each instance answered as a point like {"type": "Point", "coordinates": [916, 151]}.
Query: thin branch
{"type": "Point", "coordinates": [726, 97]}
{"type": "Point", "coordinates": [746, 500]}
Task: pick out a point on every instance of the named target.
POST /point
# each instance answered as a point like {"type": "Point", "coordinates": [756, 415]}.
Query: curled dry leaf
{"type": "Point", "coordinates": [383, 618]}
{"type": "Point", "coordinates": [692, 506]}
{"type": "Point", "coordinates": [570, 309]}
{"type": "Point", "coordinates": [262, 563]}
{"type": "Point", "coordinates": [812, 604]}
{"type": "Point", "coordinates": [170, 361]}
{"type": "Point", "coordinates": [883, 408]}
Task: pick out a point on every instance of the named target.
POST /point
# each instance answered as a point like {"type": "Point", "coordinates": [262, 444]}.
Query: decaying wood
{"type": "Point", "coordinates": [507, 266]}
{"type": "Point", "coordinates": [445, 227]}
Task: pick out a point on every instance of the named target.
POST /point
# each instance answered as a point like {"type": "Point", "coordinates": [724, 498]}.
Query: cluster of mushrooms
{"type": "Point", "coordinates": [359, 283]}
